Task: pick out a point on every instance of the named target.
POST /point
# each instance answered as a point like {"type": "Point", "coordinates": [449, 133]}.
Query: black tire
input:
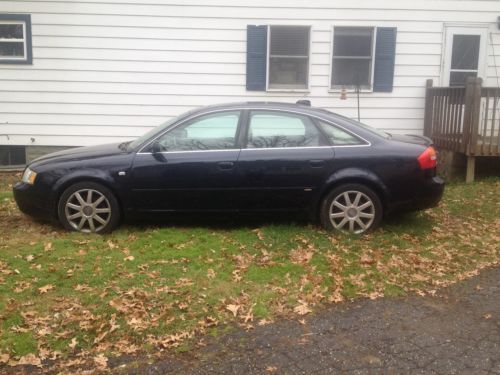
{"type": "Point", "coordinates": [95, 216]}
{"type": "Point", "coordinates": [332, 217]}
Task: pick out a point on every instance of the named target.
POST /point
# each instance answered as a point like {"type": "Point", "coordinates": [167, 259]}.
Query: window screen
{"type": "Point", "coordinates": [289, 57]}
{"type": "Point", "coordinates": [464, 58]}
{"type": "Point", "coordinates": [352, 57]}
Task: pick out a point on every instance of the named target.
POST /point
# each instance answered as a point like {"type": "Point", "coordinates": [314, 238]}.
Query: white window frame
{"type": "Point", "coordinates": [268, 62]}
{"type": "Point", "coordinates": [451, 29]}
{"type": "Point", "coordinates": [374, 48]}
{"type": "Point", "coordinates": [23, 40]}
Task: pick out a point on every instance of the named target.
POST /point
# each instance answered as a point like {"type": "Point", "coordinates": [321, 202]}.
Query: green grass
{"type": "Point", "coordinates": [145, 288]}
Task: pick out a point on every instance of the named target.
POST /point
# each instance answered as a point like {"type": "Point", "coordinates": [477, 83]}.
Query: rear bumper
{"type": "Point", "coordinates": [428, 195]}
{"type": "Point", "coordinates": [31, 202]}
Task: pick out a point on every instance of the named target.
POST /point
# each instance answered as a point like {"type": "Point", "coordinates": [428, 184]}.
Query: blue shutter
{"type": "Point", "coordinates": [256, 57]}
{"type": "Point", "coordinates": [385, 55]}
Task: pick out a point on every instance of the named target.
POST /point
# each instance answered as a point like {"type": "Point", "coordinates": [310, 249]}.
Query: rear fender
{"type": "Point", "coordinates": [356, 175]}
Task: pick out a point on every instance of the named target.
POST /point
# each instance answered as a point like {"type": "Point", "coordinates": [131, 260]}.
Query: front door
{"type": "Point", "coordinates": [189, 168]}
{"type": "Point", "coordinates": [465, 54]}
{"type": "Point", "coordinates": [285, 161]}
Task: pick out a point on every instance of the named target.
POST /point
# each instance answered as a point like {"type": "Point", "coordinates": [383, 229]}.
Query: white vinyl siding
{"type": "Point", "coordinates": [107, 71]}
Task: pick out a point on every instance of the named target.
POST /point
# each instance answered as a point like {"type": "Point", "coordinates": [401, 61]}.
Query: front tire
{"type": "Point", "coordinates": [354, 208]}
{"type": "Point", "coordinates": [89, 207]}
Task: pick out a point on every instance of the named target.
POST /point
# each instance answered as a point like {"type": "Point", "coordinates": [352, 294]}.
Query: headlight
{"type": "Point", "coordinates": [29, 176]}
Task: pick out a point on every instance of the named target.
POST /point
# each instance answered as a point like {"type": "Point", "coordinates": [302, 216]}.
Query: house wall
{"type": "Point", "coordinates": [109, 71]}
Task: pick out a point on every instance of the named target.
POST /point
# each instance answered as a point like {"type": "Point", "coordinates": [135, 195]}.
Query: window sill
{"type": "Point", "coordinates": [289, 90]}
{"type": "Point", "coordinates": [350, 91]}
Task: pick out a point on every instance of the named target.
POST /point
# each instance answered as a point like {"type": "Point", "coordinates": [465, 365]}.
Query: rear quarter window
{"type": "Point", "coordinates": [339, 137]}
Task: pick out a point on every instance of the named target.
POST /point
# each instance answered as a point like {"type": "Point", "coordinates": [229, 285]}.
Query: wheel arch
{"type": "Point", "coordinates": [357, 176]}
{"type": "Point", "coordinates": [95, 176]}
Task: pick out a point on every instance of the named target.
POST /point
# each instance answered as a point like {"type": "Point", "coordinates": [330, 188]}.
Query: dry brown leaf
{"type": "Point", "coordinates": [302, 309]}
{"type": "Point", "coordinates": [4, 357]}
{"type": "Point", "coordinates": [233, 308]}
{"type": "Point", "coordinates": [29, 359]}
{"type": "Point", "coordinates": [48, 246]}
{"type": "Point", "coordinates": [101, 361]}
{"type": "Point", "coordinates": [271, 369]}
{"type": "Point", "coordinates": [73, 343]}
{"type": "Point", "coordinates": [129, 258]}
{"type": "Point", "coordinates": [45, 289]}
{"type": "Point", "coordinates": [210, 273]}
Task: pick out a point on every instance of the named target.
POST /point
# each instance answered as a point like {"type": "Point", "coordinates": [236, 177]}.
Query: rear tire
{"type": "Point", "coordinates": [354, 208]}
{"type": "Point", "coordinates": [88, 207]}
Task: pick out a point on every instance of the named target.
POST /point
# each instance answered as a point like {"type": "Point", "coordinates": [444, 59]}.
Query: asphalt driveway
{"type": "Point", "coordinates": [456, 331]}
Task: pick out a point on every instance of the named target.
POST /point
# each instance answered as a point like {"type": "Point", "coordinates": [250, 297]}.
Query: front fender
{"type": "Point", "coordinates": [86, 174]}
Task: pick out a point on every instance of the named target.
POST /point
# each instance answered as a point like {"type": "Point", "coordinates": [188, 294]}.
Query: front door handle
{"type": "Point", "coordinates": [317, 163]}
{"type": "Point", "coordinates": [225, 165]}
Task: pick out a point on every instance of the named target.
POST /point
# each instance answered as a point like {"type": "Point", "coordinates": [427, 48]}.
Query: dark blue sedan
{"type": "Point", "coordinates": [244, 157]}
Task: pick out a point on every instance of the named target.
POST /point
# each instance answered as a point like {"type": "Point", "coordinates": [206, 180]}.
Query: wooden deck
{"type": "Point", "coordinates": [464, 120]}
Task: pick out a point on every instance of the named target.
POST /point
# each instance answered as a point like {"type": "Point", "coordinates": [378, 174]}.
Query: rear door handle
{"type": "Point", "coordinates": [317, 163]}
{"type": "Point", "coordinates": [225, 165]}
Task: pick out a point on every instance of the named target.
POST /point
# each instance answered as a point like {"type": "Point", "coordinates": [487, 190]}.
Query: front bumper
{"type": "Point", "coordinates": [33, 202]}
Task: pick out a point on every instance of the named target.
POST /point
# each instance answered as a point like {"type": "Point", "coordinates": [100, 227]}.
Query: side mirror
{"type": "Point", "coordinates": [156, 148]}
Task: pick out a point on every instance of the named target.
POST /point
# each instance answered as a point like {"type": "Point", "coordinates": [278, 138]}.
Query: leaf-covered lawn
{"type": "Point", "coordinates": [79, 299]}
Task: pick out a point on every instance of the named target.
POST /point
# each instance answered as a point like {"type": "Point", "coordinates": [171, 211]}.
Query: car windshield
{"type": "Point", "coordinates": [137, 142]}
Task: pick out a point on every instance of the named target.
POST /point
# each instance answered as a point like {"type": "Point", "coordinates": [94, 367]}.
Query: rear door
{"type": "Point", "coordinates": [285, 161]}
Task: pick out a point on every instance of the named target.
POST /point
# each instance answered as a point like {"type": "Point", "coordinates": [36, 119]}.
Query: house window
{"type": "Point", "coordinates": [464, 58]}
{"type": "Point", "coordinates": [288, 57]}
{"type": "Point", "coordinates": [352, 58]}
{"type": "Point", "coordinates": [15, 39]}
{"type": "Point", "coordinates": [12, 156]}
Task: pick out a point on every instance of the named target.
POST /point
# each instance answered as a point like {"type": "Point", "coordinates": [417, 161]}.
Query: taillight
{"type": "Point", "coordinates": [428, 158]}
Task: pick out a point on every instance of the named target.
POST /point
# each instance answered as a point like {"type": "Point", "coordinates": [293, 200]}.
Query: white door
{"type": "Point", "coordinates": [465, 54]}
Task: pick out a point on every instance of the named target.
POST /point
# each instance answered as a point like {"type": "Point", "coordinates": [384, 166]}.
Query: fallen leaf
{"type": "Point", "coordinates": [4, 358]}
{"type": "Point", "coordinates": [129, 258]}
{"type": "Point", "coordinates": [271, 369]}
{"type": "Point", "coordinates": [29, 359]}
{"type": "Point", "coordinates": [30, 258]}
{"type": "Point", "coordinates": [48, 246]}
{"type": "Point", "coordinates": [302, 309]}
{"type": "Point", "coordinates": [233, 308]}
{"type": "Point", "coordinates": [210, 273]}
{"type": "Point", "coordinates": [73, 343]}
{"type": "Point", "coordinates": [101, 361]}
{"type": "Point", "coordinates": [46, 288]}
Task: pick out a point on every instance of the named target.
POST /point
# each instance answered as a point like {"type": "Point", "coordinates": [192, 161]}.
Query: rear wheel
{"type": "Point", "coordinates": [354, 208]}
{"type": "Point", "coordinates": [89, 207]}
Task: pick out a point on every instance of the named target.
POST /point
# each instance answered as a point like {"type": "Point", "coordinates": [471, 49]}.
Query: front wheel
{"type": "Point", "coordinates": [89, 207]}
{"type": "Point", "coordinates": [351, 207]}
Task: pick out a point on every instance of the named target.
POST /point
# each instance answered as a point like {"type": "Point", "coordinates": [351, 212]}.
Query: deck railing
{"type": "Point", "coordinates": [464, 119]}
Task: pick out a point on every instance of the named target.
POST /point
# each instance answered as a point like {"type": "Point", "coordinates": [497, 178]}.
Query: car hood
{"type": "Point", "coordinates": [89, 152]}
{"type": "Point", "coordinates": [411, 138]}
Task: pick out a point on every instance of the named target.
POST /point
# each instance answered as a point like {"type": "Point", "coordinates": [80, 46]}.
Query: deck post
{"type": "Point", "coordinates": [429, 100]}
{"type": "Point", "coordinates": [471, 164]}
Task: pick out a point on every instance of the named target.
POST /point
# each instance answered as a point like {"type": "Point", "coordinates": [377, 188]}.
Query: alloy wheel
{"type": "Point", "coordinates": [352, 211]}
{"type": "Point", "coordinates": [87, 210]}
